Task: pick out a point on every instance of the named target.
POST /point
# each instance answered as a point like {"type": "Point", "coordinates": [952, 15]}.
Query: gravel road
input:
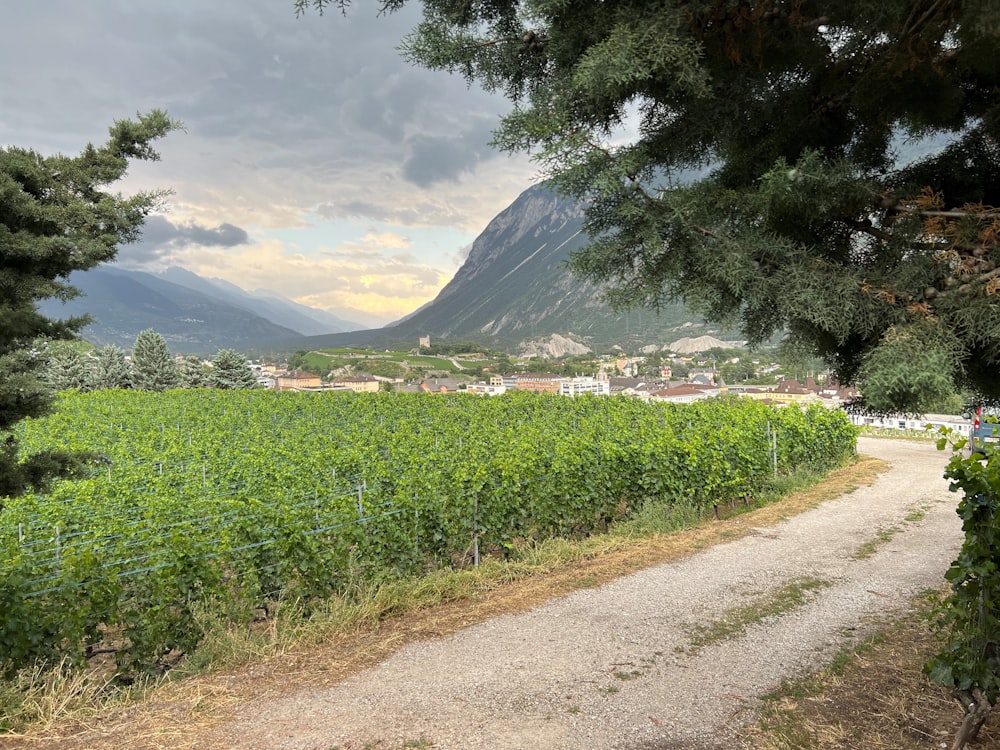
{"type": "Point", "coordinates": [618, 666]}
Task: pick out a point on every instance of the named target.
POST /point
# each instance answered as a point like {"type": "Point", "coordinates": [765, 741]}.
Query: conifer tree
{"type": "Point", "coordinates": [56, 217]}
{"type": "Point", "coordinates": [193, 373]}
{"type": "Point", "coordinates": [153, 366]}
{"type": "Point", "coordinates": [111, 371]}
{"type": "Point", "coordinates": [231, 371]}
{"type": "Point", "coordinates": [68, 367]}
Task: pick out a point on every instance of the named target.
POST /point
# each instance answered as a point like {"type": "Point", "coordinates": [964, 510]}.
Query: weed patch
{"type": "Point", "coordinates": [870, 547]}
{"type": "Point", "coordinates": [734, 622]}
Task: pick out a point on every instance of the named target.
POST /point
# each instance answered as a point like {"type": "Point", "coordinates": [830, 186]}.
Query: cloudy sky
{"type": "Point", "coordinates": [313, 162]}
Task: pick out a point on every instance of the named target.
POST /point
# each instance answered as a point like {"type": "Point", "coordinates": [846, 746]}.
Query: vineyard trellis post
{"type": "Point", "coordinates": [416, 528]}
{"type": "Point", "coordinates": [475, 529]}
{"type": "Point", "coordinates": [772, 447]}
{"type": "Point", "coordinates": [362, 486]}
{"type": "Point", "coordinates": [774, 452]}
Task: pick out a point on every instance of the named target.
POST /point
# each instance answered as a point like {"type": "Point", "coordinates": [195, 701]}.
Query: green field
{"type": "Point", "coordinates": [232, 499]}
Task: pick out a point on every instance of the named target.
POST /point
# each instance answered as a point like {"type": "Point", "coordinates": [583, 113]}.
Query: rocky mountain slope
{"type": "Point", "coordinates": [514, 286]}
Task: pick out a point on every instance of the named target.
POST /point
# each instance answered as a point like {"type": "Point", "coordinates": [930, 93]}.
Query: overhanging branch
{"type": "Point", "coordinates": [990, 213]}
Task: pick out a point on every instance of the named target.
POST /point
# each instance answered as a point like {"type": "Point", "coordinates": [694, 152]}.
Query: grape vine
{"type": "Point", "coordinates": [246, 497]}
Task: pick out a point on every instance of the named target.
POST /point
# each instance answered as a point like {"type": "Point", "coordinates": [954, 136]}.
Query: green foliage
{"type": "Point", "coordinates": [382, 368]}
{"type": "Point", "coordinates": [295, 362]}
{"type": "Point", "coordinates": [153, 366]}
{"type": "Point", "coordinates": [56, 217]}
{"type": "Point", "coordinates": [314, 363]}
{"type": "Point", "coordinates": [67, 367]}
{"type": "Point", "coordinates": [968, 620]}
{"type": "Point", "coordinates": [452, 348]}
{"type": "Point", "coordinates": [230, 370]}
{"type": "Point", "coordinates": [679, 370]}
{"type": "Point", "coordinates": [952, 403]}
{"type": "Point", "coordinates": [393, 364]}
{"type": "Point", "coordinates": [738, 372]}
{"type": "Point", "coordinates": [254, 496]}
{"type": "Point", "coordinates": [909, 373]}
{"type": "Point", "coordinates": [193, 373]}
{"type": "Point", "coordinates": [111, 369]}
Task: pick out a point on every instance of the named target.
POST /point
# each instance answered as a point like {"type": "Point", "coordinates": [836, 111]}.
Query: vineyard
{"type": "Point", "coordinates": [234, 499]}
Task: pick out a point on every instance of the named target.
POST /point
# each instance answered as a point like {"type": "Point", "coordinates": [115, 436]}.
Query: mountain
{"type": "Point", "coordinates": [514, 286]}
{"type": "Point", "coordinates": [688, 345]}
{"type": "Point", "coordinates": [308, 321]}
{"type": "Point", "coordinates": [192, 320]}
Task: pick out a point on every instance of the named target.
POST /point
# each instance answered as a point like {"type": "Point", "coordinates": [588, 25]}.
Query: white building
{"type": "Point", "coordinates": [684, 394]}
{"type": "Point", "coordinates": [576, 386]}
{"type": "Point", "coordinates": [486, 389]}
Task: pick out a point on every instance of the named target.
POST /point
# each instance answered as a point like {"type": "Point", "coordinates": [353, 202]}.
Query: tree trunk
{"type": "Point", "coordinates": [977, 710]}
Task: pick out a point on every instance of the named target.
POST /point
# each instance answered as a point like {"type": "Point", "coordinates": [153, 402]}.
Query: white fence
{"type": "Point", "coordinates": [913, 424]}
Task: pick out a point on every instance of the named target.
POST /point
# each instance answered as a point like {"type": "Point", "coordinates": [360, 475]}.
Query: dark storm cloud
{"type": "Point", "coordinates": [434, 159]}
{"type": "Point", "coordinates": [316, 87]}
{"type": "Point", "coordinates": [159, 230]}
{"type": "Point", "coordinates": [160, 237]}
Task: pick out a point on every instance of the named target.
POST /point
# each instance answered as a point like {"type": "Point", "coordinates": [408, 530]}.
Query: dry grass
{"type": "Point", "coordinates": [178, 714]}
{"type": "Point", "coordinates": [875, 697]}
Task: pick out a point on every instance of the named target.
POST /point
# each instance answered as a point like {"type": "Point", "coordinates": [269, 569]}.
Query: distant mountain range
{"type": "Point", "coordinates": [306, 320]}
{"type": "Point", "coordinates": [195, 315]}
{"type": "Point", "coordinates": [513, 287]}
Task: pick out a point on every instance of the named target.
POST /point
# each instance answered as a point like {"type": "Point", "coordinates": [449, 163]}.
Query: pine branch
{"type": "Point", "coordinates": [969, 287]}
{"type": "Point", "coordinates": [952, 214]}
{"type": "Point", "coordinates": [869, 229]}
